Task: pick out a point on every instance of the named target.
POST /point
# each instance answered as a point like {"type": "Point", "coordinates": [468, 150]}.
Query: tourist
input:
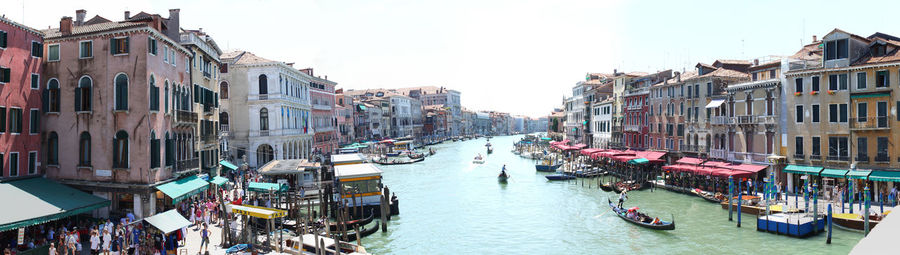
{"type": "Point", "coordinates": [52, 250]}
{"type": "Point", "coordinates": [204, 241]}
{"type": "Point", "coordinates": [95, 242]}
{"type": "Point", "coordinates": [106, 240]}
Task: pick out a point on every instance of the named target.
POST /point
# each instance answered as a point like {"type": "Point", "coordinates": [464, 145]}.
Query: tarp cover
{"type": "Point", "coordinates": [168, 221]}
{"type": "Point", "coordinates": [227, 164]}
{"type": "Point", "coordinates": [834, 173]}
{"type": "Point", "coordinates": [183, 188]}
{"type": "Point", "coordinates": [218, 180]}
{"type": "Point", "coordinates": [39, 200]}
{"type": "Point", "coordinates": [690, 161]}
{"type": "Point", "coordinates": [859, 174]}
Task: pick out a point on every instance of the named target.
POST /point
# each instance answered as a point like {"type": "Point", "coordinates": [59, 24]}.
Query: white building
{"type": "Point", "coordinates": [430, 95]}
{"type": "Point", "coordinates": [269, 109]}
{"type": "Point", "coordinates": [601, 123]}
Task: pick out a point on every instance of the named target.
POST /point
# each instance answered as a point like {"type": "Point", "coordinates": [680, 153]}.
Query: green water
{"type": "Point", "coordinates": [450, 206]}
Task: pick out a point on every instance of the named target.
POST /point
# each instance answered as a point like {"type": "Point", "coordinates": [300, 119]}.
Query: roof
{"type": "Point", "coordinates": [356, 170]}
{"type": "Point", "coordinates": [674, 79]}
{"type": "Point", "coordinates": [245, 58]}
{"type": "Point", "coordinates": [343, 159]}
{"type": "Point", "coordinates": [3, 19]}
{"type": "Point", "coordinates": [266, 187]}
{"type": "Point", "coordinates": [91, 28]}
{"type": "Point", "coordinates": [848, 33]}
{"type": "Point", "coordinates": [732, 62]}
{"type": "Point", "coordinates": [428, 89]}
{"type": "Point", "coordinates": [183, 188]}
{"type": "Point", "coordinates": [227, 164]}
{"type": "Point", "coordinates": [287, 166]}
{"type": "Point", "coordinates": [168, 221]}
{"type": "Point", "coordinates": [39, 200]}
{"type": "Point", "coordinates": [721, 72]}
{"type": "Point", "coordinates": [218, 180]}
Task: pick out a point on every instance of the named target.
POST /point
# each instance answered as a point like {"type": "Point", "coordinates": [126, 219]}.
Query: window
{"type": "Point", "coordinates": [798, 85]}
{"type": "Point", "coordinates": [166, 101]}
{"type": "Point", "coordinates": [83, 95]}
{"type": "Point", "coordinates": [154, 94]}
{"type": "Point", "coordinates": [861, 80]}
{"type": "Point", "coordinates": [815, 83]}
{"type": "Point", "coordinates": [151, 45]}
{"type": "Point", "coordinates": [15, 120]}
{"type": "Point", "coordinates": [86, 49]}
{"type": "Point", "coordinates": [263, 84]}
{"type": "Point", "coordinates": [4, 74]}
{"type": "Point", "coordinates": [837, 49]}
{"type": "Point", "coordinates": [37, 49]}
{"type": "Point", "coordinates": [771, 74]}
{"type": "Point", "coordinates": [799, 114]}
{"type": "Point", "coordinates": [118, 46]}
{"type": "Point", "coordinates": [120, 150]}
{"type": "Point", "coordinates": [816, 149]}
{"type": "Point", "coordinates": [154, 150]}
{"type": "Point", "coordinates": [842, 81]}
{"type": "Point", "coordinates": [263, 119]}
{"type": "Point", "coordinates": [882, 79]}
{"type": "Point", "coordinates": [172, 57]}
{"type": "Point", "coordinates": [32, 162]}
{"type": "Point", "coordinates": [862, 148]}
{"type": "Point", "coordinates": [832, 113]}
{"type": "Point", "coordinates": [882, 150]}
{"type": "Point", "coordinates": [709, 88]}
{"type": "Point", "coordinates": [165, 54]}
{"type": "Point", "coordinates": [690, 91]}
{"type": "Point", "coordinates": [13, 164]}
{"type": "Point", "coordinates": [121, 92]}
{"type": "Point", "coordinates": [843, 111]}
{"type": "Point", "coordinates": [33, 124]}
{"type": "Point", "coordinates": [3, 35]}
{"type": "Point", "coordinates": [815, 113]}
{"type": "Point", "coordinates": [753, 77]}
{"type": "Point", "coordinates": [2, 119]}
{"type": "Point", "coordinates": [53, 149]}
{"type": "Point", "coordinates": [170, 150]}
{"type": "Point", "coordinates": [862, 112]}
{"type": "Point", "coordinates": [84, 149]}
{"type": "Point", "coordinates": [53, 52]}
{"type": "Point", "coordinates": [837, 147]}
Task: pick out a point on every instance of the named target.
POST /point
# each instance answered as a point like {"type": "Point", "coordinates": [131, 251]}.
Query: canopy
{"type": "Point", "coordinates": [633, 209]}
{"type": "Point", "coordinates": [834, 173]}
{"type": "Point", "coordinates": [715, 103]}
{"type": "Point", "coordinates": [168, 221]}
{"type": "Point", "coordinates": [218, 180]}
{"type": "Point", "coordinates": [287, 167]}
{"type": "Point", "coordinates": [751, 168]}
{"type": "Point", "coordinates": [183, 188]}
{"type": "Point", "coordinates": [227, 164]}
{"type": "Point", "coordinates": [266, 187]}
{"type": "Point", "coordinates": [258, 211]}
{"type": "Point", "coordinates": [808, 170]}
{"type": "Point", "coordinates": [885, 176]}
{"type": "Point", "coordinates": [638, 161]}
{"type": "Point", "coordinates": [546, 138]}
{"type": "Point", "coordinates": [39, 200]}
{"type": "Point", "coordinates": [653, 156]}
{"type": "Point", "coordinates": [689, 160]}
{"type": "Point", "coordinates": [623, 158]}
{"type": "Point", "coordinates": [589, 151]}
{"type": "Point", "coordinates": [579, 146]}
{"type": "Point", "coordinates": [859, 174]}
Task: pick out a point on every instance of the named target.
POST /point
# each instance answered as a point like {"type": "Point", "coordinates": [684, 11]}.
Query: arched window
{"type": "Point", "coordinates": [223, 90]}
{"type": "Point", "coordinates": [53, 149]}
{"type": "Point", "coordinates": [770, 104]}
{"type": "Point", "coordinates": [263, 119]}
{"type": "Point", "coordinates": [51, 96]}
{"type": "Point", "coordinates": [83, 94]}
{"type": "Point", "coordinates": [121, 89]}
{"type": "Point", "coordinates": [264, 154]}
{"type": "Point", "coordinates": [170, 150]}
{"type": "Point", "coordinates": [223, 121]}
{"type": "Point", "coordinates": [84, 149]}
{"type": "Point", "coordinates": [154, 94]}
{"type": "Point", "coordinates": [154, 150]}
{"type": "Point", "coordinates": [166, 93]}
{"type": "Point", "coordinates": [749, 103]}
{"type": "Point", "coordinates": [120, 150]}
{"type": "Point", "coordinates": [263, 84]}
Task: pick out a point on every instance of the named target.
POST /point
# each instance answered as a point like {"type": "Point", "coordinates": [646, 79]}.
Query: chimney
{"type": "Point", "coordinates": [814, 38]}
{"type": "Point", "coordinates": [615, 71]}
{"type": "Point", "coordinates": [173, 25]}
{"type": "Point", "coordinates": [756, 62]}
{"type": "Point", "coordinates": [65, 25]}
{"type": "Point", "coordinates": [79, 17]}
{"type": "Point", "coordinates": [678, 76]}
{"type": "Point", "coordinates": [127, 15]}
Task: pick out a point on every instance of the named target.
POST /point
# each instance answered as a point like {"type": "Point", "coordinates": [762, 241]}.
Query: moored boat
{"type": "Point", "coordinates": [606, 186]}
{"type": "Point", "coordinates": [559, 177]}
{"type": "Point", "coordinates": [630, 185]}
{"type": "Point", "coordinates": [854, 221]}
{"type": "Point", "coordinates": [708, 196]}
{"type": "Point", "coordinates": [641, 219]}
{"type": "Point", "coordinates": [308, 242]}
{"type": "Point", "coordinates": [352, 223]}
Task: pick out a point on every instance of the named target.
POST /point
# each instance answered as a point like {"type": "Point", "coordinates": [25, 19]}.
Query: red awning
{"type": "Point", "coordinates": [653, 156]}
{"type": "Point", "coordinates": [580, 146]}
{"type": "Point", "coordinates": [689, 161]}
{"type": "Point", "coordinates": [589, 151]}
{"type": "Point", "coordinates": [749, 168]}
{"type": "Point", "coordinates": [624, 158]}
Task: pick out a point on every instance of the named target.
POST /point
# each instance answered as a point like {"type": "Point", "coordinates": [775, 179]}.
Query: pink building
{"type": "Point", "coordinates": [20, 99]}
{"type": "Point", "coordinates": [111, 93]}
{"type": "Point", "coordinates": [322, 95]}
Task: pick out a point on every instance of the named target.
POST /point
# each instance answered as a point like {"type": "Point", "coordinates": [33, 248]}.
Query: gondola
{"type": "Point", "coordinates": [415, 155]}
{"type": "Point", "coordinates": [631, 185]}
{"type": "Point", "coordinates": [546, 168]}
{"type": "Point", "coordinates": [559, 177]}
{"type": "Point", "coordinates": [502, 177]}
{"type": "Point", "coordinates": [606, 186]}
{"type": "Point", "coordinates": [490, 150]}
{"type": "Point", "coordinates": [363, 232]}
{"type": "Point", "coordinates": [399, 162]}
{"type": "Point", "coordinates": [351, 223]}
{"type": "Point", "coordinates": [621, 212]}
{"type": "Point", "coordinates": [707, 196]}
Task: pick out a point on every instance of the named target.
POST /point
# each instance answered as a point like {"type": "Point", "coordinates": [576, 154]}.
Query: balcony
{"type": "Point", "coordinates": [862, 158]}
{"type": "Point", "coordinates": [632, 128]}
{"type": "Point", "coordinates": [815, 157]}
{"type": "Point", "coordinates": [745, 119]}
{"type": "Point", "coordinates": [321, 107]}
{"type": "Point", "coordinates": [766, 120]}
{"type": "Point", "coordinates": [838, 158]}
{"type": "Point", "coordinates": [721, 120]}
{"type": "Point", "coordinates": [870, 123]}
{"type": "Point", "coordinates": [882, 158]}
{"type": "Point", "coordinates": [187, 165]}
{"type": "Point", "coordinates": [718, 153]}
{"type": "Point", "coordinates": [799, 157]}
{"type": "Point", "coordinates": [185, 118]}
{"type": "Point", "coordinates": [616, 128]}
{"type": "Point", "coordinates": [748, 157]}
{"type": "Point", "coordinates": [688, 148]}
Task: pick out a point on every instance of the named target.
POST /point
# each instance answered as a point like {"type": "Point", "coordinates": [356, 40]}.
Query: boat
{"type": "Point", "coordinates": [631, 185]}
{"type": "Point", "coordinates": [854, 221]}
{"type": "Point", "coordinates": [708, 196]}
{"type": "Point", "coordinates": [750, 206]}
{"type": "Point", "coordinates": [412, 155]}
{"type": "Point", "coordinates": [392, 154]}
{"type": "Point", "coordinates": [363, 232]}
{"type": "Point", "coordinates": [647, 221]}
{"type": "Point", "coordinates": [559, 177]}
{"type": "Point", "coordinates": [308, 242]}
{"type": "Point", "coordinates": [351, 223]}
{"type": "Point", "coordinates": [502, 177]}
{"type": "Point", "coordinates": [490, 150]}
{"type": "Point", "coordinates": [431, 152]}
{"type": "Point", "coordinates": [606, 186]}
{"type": "Point", "coordinates": [478, 160]}
{"type": "Point", "coordinates": [546, 167]}
{"type": "Point", "coordinates": [399, 162]}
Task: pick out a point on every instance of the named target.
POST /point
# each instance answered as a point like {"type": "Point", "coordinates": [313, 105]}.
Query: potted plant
{"type": "Point", "coordinates": [798, 93]}
{"type": "Point", "coordinates": [831, 92]}
{"type": "Point", "coordinates": [813, 93]}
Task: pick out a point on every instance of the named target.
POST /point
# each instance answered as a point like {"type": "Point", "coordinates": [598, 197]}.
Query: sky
{"type": "Point", "coordinates": [520, 56]}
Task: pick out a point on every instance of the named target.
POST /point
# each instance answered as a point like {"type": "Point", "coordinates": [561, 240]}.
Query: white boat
{"type": "Point", "coordinates": [478, 160]}
{"type": "Point", "coordinates": [306, 246]}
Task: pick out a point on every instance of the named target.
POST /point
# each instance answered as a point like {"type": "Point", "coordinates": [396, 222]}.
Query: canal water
{"type": "Point", "coordinates": [449, 206]}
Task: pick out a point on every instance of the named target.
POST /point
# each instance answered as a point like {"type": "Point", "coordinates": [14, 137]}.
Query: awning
{"type": "Point", "coordinates": [808, 170]}
{"type": "Point", "coordinates": [885, 176]}
{"type": "Point", "coordinates": [715, 103]}
{"type": "Point", "coordinates": [859, 174]}
{"type": "Point", "coordinates": [218, 180]}
{"type": "Point", "coordinates": [168, 221]}
{"type": "Point", "coordinates": [638, 161]}
{"type": "Point", "coordinates": [287, 167]}
{"type": "Point", "coordinates": [652, 155]}
{"type": "Point", "coordinates": [266, 187]}
{"type": "Point", "coordinates": [833, 173]}
{"type": "Point", "coordinates": [39, 200]}
{"type": "Point", "coordinates": [546, 138]}
{"type": "Point", "coordinates": [870, 95]}
{"type": "Point", "coordinates": [690, 161]}
{"type": "Point", "coordinates": [361, 107]}
{"type": "Point", "coordinates": [227, 164]}
{"type": "Point", "coordinates": [588, 152]}
{"type": "Point", "coordinates": [183, 188]}
{"type": "Point", "coordinates": [258, 211]}
{"type": "Point", "coordinates": [579, 146]}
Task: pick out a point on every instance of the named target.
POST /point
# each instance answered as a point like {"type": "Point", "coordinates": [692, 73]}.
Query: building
{"type": "Point", "coordinates": [620, 86]}
{"type": "Point", "coordinates": [468, 122]}
{"type": "Point", "coordinates": [483, 124]}
{"type": "Point", "coordinates": [636, 107]}
{"type": "Point", "coordinates": [114, 73]}
{"type": "Point", "coordinates": [269, 108]}
{"type": "Point", "coordinates": [438, 121]}
{"type": "Point", "coordinates": [21, 74]}
{"type": "Point", "coordinates": [440, 96]}
{"type": "Point", "coordinates": [344, 112]}
{"type": "Point", "coordinates": [198, 115]}
{"type": "Point", "coordinates": [323, 112]}
{"type": "Point", "coordinates": [666, 112]}
{"type": "Point", "coordinates": [402, 111]}
{"type": "Point", "coordinates": [601, 120]}
{"type": "Point", "coordinates": [556, 123]}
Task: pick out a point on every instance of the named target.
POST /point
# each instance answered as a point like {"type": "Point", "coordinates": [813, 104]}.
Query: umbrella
{"type": "Point", "coordinates": [633, 209]}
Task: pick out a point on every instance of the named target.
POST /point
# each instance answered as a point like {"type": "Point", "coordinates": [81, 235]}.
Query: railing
{"type": "Point", "coordinates": [766, 120]}
{"type": "Point", "coordinates": [862, 158]}
{"type": "Point", "coordinates": [870, 123]}
{"type": "Point", "coordinates": [882, 158]}
{"type": "Point", "coordinates": [207, 74]}
{"type": "Point", "coordinates": [223, 128]}
{"type": "Point", "coordinates": [838, 158]}
{"type": "Point", "coordinates": [688, 148]}
{"type": "Point", "coordinates": [718, 153]}
{"type": "Point", "coordinates": [799, 157]}
{"type": "Point", "coordinates": [321, 107]}
{"type": "Point", "coordinates": [815, 157]}
{"type": "Point", "coordinates": [188, 164]}
{"type": "Point", "coordinates": [746, 119]}
{"type": "Point", "coordinates": [616, 128]}
{"type": "Point", "coordinates": [634, 128]}
{"type": "Point", "coordinates": [721, 120]}
{"type": "Point", "coordinates": [185, 117]}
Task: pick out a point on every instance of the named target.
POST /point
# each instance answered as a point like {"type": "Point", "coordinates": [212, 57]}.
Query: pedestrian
{"type": "Point", "coordinates": [204, 234]}
{"type": "Point", "coordinates": [51, 252]}
{"type": "Point", "coordinates": [95, 242]}
{"type": "Point", "coordinates": [107, 238]}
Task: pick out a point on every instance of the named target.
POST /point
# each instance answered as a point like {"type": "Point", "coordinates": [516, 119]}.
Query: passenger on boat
{"type": "Point", "coordinates": [656, 221]}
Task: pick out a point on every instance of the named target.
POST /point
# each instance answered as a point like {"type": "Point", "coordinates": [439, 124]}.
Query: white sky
{"type": "Point", "coordinates": [512, 56]}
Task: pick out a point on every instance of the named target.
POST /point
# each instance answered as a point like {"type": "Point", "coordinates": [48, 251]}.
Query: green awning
{"type": "Point", "coordinates": [546, 138]}
{"type": "Point", "coordinates": [168, 221]}
{"type": "Point", "coordinates": [638, 161]}
{"type": "Point", "coordinates": [183, 188]}
{"type": "Point", "coordinates": [859, 174]}
{"type": "Point", "coordinates": [218, 180]}
{"type": "Point", "coordinates": [833, 173]}
{"type": "Point", "coordinates": [870, 95]}
{"type": "Point", "coordinates": [39, 200]}
{"type": "Point", "coordinates": [885, 176]}
{"type": "Point", "coordinates": [227, 164]}
{"type": "Point", "coordinates": [361, 107]}
{"type": "Point", "coordinates": [266, 187]}
{"type": "Point", "coordinates": [809, 170]}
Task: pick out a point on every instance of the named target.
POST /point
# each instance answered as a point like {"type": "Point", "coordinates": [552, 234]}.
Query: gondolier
{"type": "Point", "coordinates": [623, 196]}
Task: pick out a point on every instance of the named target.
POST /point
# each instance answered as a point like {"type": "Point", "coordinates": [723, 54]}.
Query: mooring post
{"type": "Point", "coordinates": [828, 240]}
{"type": "Point", "coordinates": [815, 195]}
{"type": "Point", "coordinates": [740, 197]}
{"type": "Point", "coordinates": [865, 213]}
{"type": "Point", "coordinates": [730, 196]}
